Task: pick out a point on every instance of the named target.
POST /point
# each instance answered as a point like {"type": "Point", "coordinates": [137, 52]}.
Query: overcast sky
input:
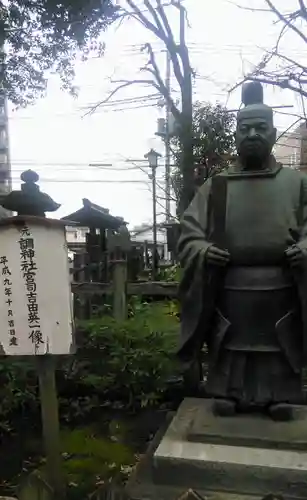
{"type": "Point", "coordinates": [58, 141]}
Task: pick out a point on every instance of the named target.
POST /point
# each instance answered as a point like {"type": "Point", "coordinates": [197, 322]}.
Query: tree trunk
{"type": "Point", "coordinates": [186, 139]}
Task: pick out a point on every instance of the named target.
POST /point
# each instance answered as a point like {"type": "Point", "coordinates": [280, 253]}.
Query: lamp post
{"type": "Point", "coordinates": [152, 157]}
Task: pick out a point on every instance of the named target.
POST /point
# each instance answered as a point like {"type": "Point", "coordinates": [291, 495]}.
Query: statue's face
{"type": "Point", "coordinates": [255, 139]}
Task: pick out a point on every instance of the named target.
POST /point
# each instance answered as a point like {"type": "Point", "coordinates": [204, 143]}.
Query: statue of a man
{"type": "Point", "coordinates": [243, 250]}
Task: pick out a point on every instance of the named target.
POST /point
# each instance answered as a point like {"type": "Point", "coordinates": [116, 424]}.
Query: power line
{"type": "Point", "coordinates": [110, 105]}
{"type": "Point", "coordinates": [104, 181]}
{"type": "Point", "coordinates": [157, 45]}
{"type": "Point", "coordinates": [115, 102]}
{"type": "Point", "coordinates": [85, 167]}
{"type": "Point", "coordinates": [78, 114]}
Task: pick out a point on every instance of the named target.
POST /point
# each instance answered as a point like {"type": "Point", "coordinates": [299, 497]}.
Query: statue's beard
{"type": "Point", "coordinates": [254, 153]}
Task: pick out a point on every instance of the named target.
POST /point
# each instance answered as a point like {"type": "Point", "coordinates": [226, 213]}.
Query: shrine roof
{"type": "Point", "coordinates": [94, 216]}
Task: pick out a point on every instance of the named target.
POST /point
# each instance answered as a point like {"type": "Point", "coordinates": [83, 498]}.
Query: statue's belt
{"type": "Point", "coordinates": [258, 278]}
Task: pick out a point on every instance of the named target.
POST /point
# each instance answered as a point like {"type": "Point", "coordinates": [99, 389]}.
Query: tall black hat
{"type": "Point", "coordinates": [252, 98]}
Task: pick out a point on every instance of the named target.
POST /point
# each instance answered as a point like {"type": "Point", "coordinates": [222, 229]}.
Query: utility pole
{"type": "Point", "coordinates": [167, 141]}
{"type": "Point", "coordinates": [154, 225]}
{"type": "Point", "coordinates": [152, 157]}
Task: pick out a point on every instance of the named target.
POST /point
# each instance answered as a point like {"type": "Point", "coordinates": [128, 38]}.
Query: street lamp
{"type": "Point", "coordinates": [152, 157]}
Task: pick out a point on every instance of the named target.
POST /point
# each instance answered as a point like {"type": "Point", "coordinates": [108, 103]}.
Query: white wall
{"type": "Point", "coordinates": [147, 235]}
{"type": "Point", "coordinates": [76, 234]}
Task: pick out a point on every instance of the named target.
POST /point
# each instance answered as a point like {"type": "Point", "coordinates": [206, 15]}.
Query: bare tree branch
{"type": "Point", "coordinates": [283, 84]}
{"type": "Point", "coordinates": [163, 31]}
{"type": "Point", "coordinates": [291, 61]}
{"type": "Point", "coordinates": [303, 8]}
{"type": "Point", "coordinates": [290, 73]}
{"type": "Point", "coordinates": [157, 23]}
{"type": "Point", "coordinates": [251, 9]}
{"type": "Point", "coordinates": [139, 16]}
{"type": "Point", "coordinates": [286, 21]}
{"type": "Point", "coordinates": [153, 12]}
{"type": "Point", "coordinates": [164, 198]}
{"type": "Point", "coordinates": [122, 84]}
{"type": "Point", "coordinates": [288, 129]}
{"type": "Point", "coordinates": [171, 45]}
{"type": "Point", "coordinates": [289, 114]}
{"type": "Point", "coordinates": [184, 53]}
{"type": "Point", "coordinates": [154, 70]}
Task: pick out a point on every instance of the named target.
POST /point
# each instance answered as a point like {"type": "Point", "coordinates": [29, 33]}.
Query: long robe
{"type": "Point", "coordinates": [266, 213]}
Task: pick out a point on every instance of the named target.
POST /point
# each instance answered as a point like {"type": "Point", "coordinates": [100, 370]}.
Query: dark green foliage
{"type": "Point", "coordinates": [213, 142]}
{"type": "Point", "coordinates": [130, 362]}
{"type": "Point", "coordinates": [170, 274]}
{"type": "Point", "coordinates": [119, 366]}
{"type": "Point", "coordinates": [126, 364]}
{"type": "Point", "coordinates": [213, 136]}
{"type": "Point", "coordinates": [91, 460]}
{"type": "Point", "coordinates": [18, 391]}
{"type": "Point", "coordinates": [44, 35]}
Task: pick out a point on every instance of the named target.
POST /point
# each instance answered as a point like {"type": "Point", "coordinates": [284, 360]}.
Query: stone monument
{"type": "Point", "coordinates": [243, 251]}
{"type": "Point", "coordinates": [243, 248]}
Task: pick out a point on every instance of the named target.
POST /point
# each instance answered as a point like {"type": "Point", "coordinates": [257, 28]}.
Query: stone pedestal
{"type": "Point", "coordinates": [243, 457]}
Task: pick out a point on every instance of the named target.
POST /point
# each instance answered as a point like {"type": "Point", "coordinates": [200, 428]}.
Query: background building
{"type": "Point", "coordinates": [76, 234]}
{"type": "Point", "coordinates": [143, 234]}
{"type": "Point", "coordinates": [5, 165]}
{"type": "Point", "coordinates": [291, 149]}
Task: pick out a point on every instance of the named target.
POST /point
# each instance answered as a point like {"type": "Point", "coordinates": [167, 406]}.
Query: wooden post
{"type": "Point", "coordinates": [146, 254]}
{"type": "Point", "coordinates": [51, 426]}
{"type": "Point", "coordinates": [120, 289]}
{"type": "Point", "coordinates": [119, 245]}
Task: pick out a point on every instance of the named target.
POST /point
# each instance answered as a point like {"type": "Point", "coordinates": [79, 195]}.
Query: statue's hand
{"type": "Point", "coordinates": [217, 257]}
{"type": "Point", "coordinates": [295, 256]}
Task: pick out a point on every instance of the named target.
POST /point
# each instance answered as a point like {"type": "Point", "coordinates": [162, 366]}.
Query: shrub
{"type": "Point", "coordinates": [130, 361]}
{"type": "Point", "coordinates": [124, 364]}
{"type": "Point", "coordinates": [127, 364]}
{"type": "Point", "coordinates": [170, 274]}
{"type": "Point", "coordinates": [18, 390]}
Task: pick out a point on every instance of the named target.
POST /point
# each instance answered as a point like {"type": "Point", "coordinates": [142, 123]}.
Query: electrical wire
{"type": "Point", "coordinates": [118, 106]}
{"type": "Point", "coordinates": [102, 181]}
{"type": "Point", "coordinates": [76, 168]}
{"type": "Point", "coordinates": [115, 104]}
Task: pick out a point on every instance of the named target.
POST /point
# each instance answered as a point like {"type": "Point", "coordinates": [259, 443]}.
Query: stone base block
{"type": "Point", "coordinates": [252, 430]}
{"type": "Point", "coordinates": [242, 457]}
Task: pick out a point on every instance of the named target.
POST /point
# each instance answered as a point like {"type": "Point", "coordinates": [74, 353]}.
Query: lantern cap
{"type": "Point", "coordinates": [29, 200]}
{"type": "Point", "coordinates": [152, 157]}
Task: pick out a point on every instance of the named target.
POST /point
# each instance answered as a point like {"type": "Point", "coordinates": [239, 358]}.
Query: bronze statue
{"type": "Point", "coordinates": [243, 250]}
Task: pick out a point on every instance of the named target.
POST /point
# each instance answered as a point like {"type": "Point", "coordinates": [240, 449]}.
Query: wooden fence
{"type": "Point", "coordinates": [90, 295]}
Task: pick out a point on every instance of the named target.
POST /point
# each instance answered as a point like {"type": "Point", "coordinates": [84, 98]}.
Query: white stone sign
{"type": "Point", "coordinates": [35, 295]}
